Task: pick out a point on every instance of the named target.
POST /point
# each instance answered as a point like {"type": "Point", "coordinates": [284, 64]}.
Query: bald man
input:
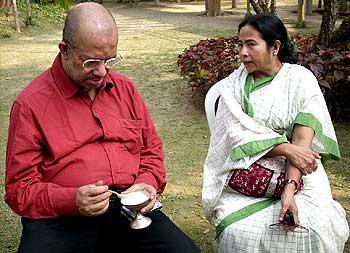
{"type": "Point", "coordinates": [77, 131]}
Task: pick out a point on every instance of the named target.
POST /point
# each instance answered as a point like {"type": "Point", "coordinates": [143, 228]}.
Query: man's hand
{"type": "Point", "coordinates": [93, 199]}
{"type": "Point", "coordinates": [302, 158]}
{"type": "Point", "coordinates": [147, 188]}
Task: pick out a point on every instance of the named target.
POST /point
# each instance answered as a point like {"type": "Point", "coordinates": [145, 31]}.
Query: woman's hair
{"type": "Point", "coordinates": [271, 29]}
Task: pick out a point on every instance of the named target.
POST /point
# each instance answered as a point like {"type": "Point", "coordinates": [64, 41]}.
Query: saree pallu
{"type": "Point", "coordinates": [250, 121]}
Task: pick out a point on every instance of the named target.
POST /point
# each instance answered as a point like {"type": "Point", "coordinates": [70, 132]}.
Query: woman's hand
{"type": "Point", "coordinates": [302, 158]}
{"type": "Point", "coordinates": [288, 204]}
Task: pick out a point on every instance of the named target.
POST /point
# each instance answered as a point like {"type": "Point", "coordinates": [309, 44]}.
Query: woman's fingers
{"type": "Point", "coordinates": [316, 155]}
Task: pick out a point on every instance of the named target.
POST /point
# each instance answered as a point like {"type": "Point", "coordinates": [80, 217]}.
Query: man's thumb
{"type": "Point", "coordinates": [99, 183]}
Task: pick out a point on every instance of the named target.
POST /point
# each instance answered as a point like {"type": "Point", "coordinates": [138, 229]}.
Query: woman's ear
{"type": "Point", "coordinates": [63, 49]}
{"type": "Point", "coordinates": [276, 47]}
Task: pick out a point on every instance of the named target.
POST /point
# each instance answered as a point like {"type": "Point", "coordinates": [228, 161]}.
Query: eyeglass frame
{"type": "Point", "coordinates": [288, 224]}
{"type": "Point", "coordinates": [287, 227]}
{"type": "Point", "coordinates": [118, 58]}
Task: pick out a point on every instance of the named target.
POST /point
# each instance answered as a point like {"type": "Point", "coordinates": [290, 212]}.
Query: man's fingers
{"type": "Point", "coordinates": [149, 207]}
{"type": "Point", "coordinates": [94, 190]}
{"type": "Point", "coordinates": [99, 198]}
{"type": "Point", "coordinates": [95, 209]}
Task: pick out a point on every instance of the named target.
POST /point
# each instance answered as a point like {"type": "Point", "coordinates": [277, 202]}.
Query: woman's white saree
{"type": "Point", "coordinates": [249, 122]}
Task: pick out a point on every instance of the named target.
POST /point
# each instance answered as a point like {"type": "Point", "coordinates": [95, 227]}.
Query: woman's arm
{"type": "Point", "coordinates": [299, 152]}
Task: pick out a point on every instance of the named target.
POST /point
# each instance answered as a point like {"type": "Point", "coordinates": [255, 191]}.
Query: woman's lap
{"type": "Point", "coordinates": [325, 219]}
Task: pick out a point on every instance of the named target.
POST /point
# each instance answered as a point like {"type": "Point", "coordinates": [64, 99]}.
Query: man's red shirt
{"type": "Point", "coordinates": [59, 139]}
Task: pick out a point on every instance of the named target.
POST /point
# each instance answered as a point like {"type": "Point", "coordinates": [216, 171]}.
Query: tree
{"type": "Point", "coordinates": [260, 5]}
{"type": "Point", "coordinates": [213, 8]}
{"type": "Point", "coordinates": [343, 5]}
{"type": "Point", "coordinates": [308, 6]}
{"type": "Point", "coordinates": [301, 14]}
{"type": "Point", "coordinates": [15, 15]}
{"type": "Point", "coordinates": [329, 17]}
{"type": "Point", "coordinates": [267, 6]}
{"type": "Point", "coordinates": [341, 35]}
{"type": "Point", "coordinates": [273, 7]}
{"type": "Point", "coordinates": [234, 4]}
{"type": "Point", "coordinates": [248, 13]}
{"type": "Point", "coordinates": [29, 20]}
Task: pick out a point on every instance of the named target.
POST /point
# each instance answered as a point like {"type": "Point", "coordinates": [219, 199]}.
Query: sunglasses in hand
{"type": "Point", "coordinates": [288, 224]}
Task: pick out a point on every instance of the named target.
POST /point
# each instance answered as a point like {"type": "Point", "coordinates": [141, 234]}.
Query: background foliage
{"type": "Point", "coordinates": [209, 61]}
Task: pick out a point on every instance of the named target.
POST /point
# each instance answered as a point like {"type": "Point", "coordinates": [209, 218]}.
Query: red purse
{"type": "Point", "coordinates": [264, 178]}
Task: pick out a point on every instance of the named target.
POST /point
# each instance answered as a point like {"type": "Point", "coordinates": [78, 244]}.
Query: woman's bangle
{"type": "Point", "coordinates": [292, 181]}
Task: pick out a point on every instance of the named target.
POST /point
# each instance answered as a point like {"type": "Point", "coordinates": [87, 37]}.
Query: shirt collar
{"type": "Point", "coordinates": [66, 86]}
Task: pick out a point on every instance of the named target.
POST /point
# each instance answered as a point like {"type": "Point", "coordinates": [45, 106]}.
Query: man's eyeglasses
{"type": "Point", "coordinates": [95, 63]}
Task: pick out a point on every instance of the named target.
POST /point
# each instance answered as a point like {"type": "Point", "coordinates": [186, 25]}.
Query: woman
{"type": "Point", "coordinates": [271, 113]}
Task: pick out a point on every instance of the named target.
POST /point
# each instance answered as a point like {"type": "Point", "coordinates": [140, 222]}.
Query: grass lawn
{"type": "Point", "coordinates": [150, 40]}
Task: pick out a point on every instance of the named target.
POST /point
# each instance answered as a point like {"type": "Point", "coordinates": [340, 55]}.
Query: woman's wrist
{"type": "Point", "coordinates": [289, 189]}
{"type": "Point", "coordinates": [286, 149]}
{"type": "Point", "coordinates": [292, 182]}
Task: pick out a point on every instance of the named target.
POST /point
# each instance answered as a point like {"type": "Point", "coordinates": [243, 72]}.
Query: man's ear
{"type": "Point", "coordinates": [63, 49]}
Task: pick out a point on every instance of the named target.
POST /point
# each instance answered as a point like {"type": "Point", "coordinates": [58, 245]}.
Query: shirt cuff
{"type": "Point", "coordinates": [64, 202]}
{"type": "Point", "coordinates": [148, 178]}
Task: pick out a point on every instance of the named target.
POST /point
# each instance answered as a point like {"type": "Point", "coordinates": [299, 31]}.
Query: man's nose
{"type": "Point", "coordinates": [100, 70]}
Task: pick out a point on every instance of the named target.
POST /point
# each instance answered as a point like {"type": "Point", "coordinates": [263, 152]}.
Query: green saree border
{"type": "Point", "coordinates": [250, 86]}
{"type": "Point", "coordinates": [254, 147]}
{"type": "Point", "coordinates": [243, 213]}
{"type": "Point", "coordinates": [331, 146]}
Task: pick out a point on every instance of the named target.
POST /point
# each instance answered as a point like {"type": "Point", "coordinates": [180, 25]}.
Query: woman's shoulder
{"type": "Point", "coordinates": [301, 78]}
{"type": "Point", "coordinates": [298, 70]}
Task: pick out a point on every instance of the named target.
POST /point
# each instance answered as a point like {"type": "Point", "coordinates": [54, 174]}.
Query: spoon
{"type": "Point", "coordinates": [119, 195]}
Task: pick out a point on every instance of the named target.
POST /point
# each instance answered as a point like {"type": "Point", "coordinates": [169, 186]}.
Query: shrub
{"type": "Point", "coordinates": [209, 61]}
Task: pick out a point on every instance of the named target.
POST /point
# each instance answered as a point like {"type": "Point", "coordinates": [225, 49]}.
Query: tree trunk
{"type": "Point", "coordinates": [319, 6]}
{"type": "Point", "coordinates": [156, 2]}
{"type": "Point", "coordinates": [15, 15]}
{"type": "Point", "coordinates": [262, 5]}
{"type": "Point", "coordinates": [214, 8]}
{"type": "Point", "coordinates": [234, 4]}
{"type": "Point", "coordinates": [248, 13]}
{"type": "Point", "coordinates": [308, 11]}
{"type": "Point", "coordinates": [329, 17]}
{"type": "Point", "coordinates": [29, 20]}
{"type": "Point", "coordinates": [301, 14]}
{"type": "Point", "coordinates": [256, 7]}
{"type": "Point", "coordinates": [343, 5]}
{"type": "Point", "coordinates": [273, 7]}
{"type": "Point", "coordinates": [340, 37]}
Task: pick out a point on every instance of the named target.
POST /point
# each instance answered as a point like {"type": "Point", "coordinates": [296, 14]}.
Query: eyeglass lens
{"type": "Point", "coordinates": [95, 63]}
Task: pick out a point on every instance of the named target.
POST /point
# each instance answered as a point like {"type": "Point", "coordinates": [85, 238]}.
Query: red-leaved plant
{"type": "Point", "coordinates": [209, 61]}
